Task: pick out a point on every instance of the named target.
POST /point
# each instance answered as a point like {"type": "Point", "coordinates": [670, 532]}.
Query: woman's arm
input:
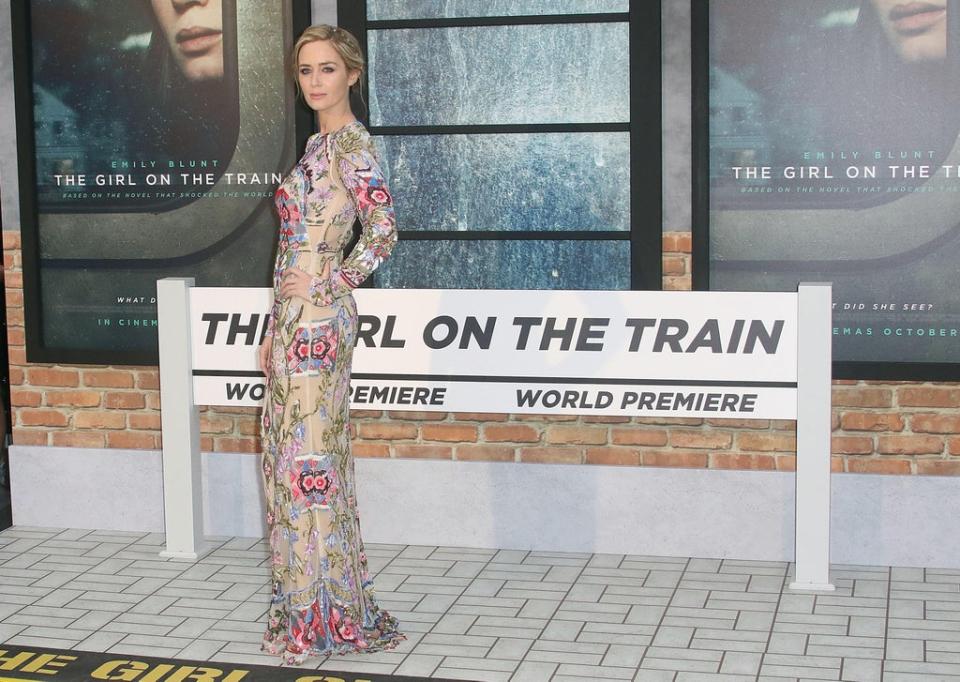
{"type": "Point", "coordinates": [360, 172]}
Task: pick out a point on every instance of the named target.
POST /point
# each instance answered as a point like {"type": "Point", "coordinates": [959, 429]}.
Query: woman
{"type": "Point", "coordinates": [323, 599]}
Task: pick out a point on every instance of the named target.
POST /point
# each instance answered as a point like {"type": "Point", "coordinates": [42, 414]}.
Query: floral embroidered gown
{"type": "Point", "coordinates": [323, 598]}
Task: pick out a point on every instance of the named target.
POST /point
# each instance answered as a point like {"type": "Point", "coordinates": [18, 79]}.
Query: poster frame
{"type": "Point", "coordinates": [700, 197]}
{"type": "Point", "coordinates": [37, 350]}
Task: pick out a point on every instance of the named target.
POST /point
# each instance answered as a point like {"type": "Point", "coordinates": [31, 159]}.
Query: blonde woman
{"type": "Point", "coordinates": [323, 599]}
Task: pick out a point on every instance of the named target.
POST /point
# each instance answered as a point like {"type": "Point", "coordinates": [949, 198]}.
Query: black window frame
{"type": "Point", "coordinates": [646, 185]}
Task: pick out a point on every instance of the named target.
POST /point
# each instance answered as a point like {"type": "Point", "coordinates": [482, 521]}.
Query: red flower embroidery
{"type": "Point", "coordinates": [380, 196]}
{"type": "Point", "coordinates": [343, 629]}
{"type": "Point", "coordinates": [321, 347]}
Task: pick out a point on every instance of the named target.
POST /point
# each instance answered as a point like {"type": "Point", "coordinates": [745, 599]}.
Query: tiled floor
{"type": "Point", "coordinates": [481, 614]}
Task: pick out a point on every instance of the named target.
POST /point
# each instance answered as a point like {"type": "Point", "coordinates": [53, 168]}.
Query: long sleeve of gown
{"type": "Point", "coordinates": [360, 172]}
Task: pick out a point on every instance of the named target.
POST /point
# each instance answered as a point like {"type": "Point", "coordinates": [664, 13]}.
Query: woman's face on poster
{"type": "Point", "coordinates": [917, 30]}
{"type": "Point", "coordinates": [193, 30]}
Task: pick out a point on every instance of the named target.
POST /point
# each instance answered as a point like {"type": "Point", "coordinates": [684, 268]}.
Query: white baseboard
{"type": "Point", "coordinates": [877, 519]}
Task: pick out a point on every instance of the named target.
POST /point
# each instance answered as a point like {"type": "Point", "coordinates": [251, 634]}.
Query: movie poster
{"type": "Point", "coordinates": [833, 152]}
{"type": "Point", "coordinates": [160, 130]}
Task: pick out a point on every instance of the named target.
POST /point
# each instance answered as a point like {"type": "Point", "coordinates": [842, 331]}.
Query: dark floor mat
{"type": "Point", "coordinates": [19, 663]}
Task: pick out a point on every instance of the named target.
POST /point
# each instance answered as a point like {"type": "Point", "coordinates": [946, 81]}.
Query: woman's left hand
{"type": "Point", "coordinates": [295, 282]}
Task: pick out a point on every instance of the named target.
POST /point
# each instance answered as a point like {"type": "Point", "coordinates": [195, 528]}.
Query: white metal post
{"type": "Point", "coordinates": [814, 373]}
{"type": "Point", "coordinates": [180, 424]}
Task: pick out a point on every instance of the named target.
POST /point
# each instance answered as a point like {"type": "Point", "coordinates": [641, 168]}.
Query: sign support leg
{"type": "Point", "coordinates": [180, 424]}
{"type": "Point", "coordinates": [814, 364]}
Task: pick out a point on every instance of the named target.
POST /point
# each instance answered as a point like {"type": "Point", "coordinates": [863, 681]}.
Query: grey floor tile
{"type": "Point", "coordinates": [534, 671]}
{"type": "Point", "coordinates": [100, 641]}
{"type": "Point", "coordinates": [418, 665]}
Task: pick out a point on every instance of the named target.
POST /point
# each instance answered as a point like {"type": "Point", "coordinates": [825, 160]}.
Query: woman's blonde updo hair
{"type": "Point", "coordinates": [346, 45]}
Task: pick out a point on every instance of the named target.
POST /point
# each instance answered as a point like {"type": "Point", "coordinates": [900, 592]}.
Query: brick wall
{"type": "Point", "coordinates": [891, 428]}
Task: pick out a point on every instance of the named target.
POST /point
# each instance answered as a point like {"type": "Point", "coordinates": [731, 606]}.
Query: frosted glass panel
{"type": "Point", "coordinates": [431, 9]}
{"type": "Point", "coordinates": [500, 74]}
{"type": "Point", "coordinates": [543, 181]}
{"type": "Point", "coordinates": [507, 265]}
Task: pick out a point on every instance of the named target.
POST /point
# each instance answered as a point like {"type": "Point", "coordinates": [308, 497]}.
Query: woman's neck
{"type": "Point", "coordinates": [333, 122]}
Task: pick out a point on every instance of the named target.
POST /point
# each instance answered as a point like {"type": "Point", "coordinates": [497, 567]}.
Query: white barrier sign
{"type": "Point", "coordinates": [629, 353]}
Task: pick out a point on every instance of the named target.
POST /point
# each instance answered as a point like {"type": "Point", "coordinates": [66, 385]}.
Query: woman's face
{"type": "Point", "coordinates": [324, 78]}
{"type": "Point", "coordinates": [917, 30]}
{"type": "Point", "coordinates": [194, 31]}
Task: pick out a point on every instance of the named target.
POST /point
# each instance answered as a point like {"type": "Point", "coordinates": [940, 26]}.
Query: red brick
{"type": "Point", "coordinates": [212, 423]}
{"type": "Point", "coordinates": [132, 440]}
{"type": "Point", "coordinates": [371, 450]}
{"type": "Point", "coordinates": [228, 444]}
{"type": "Point", "coordinates": [250, 427]}
{"type": "Point", "coordinates": [862, 397]}
{"type": "Point", "coordinates": [481, 416]}
{"type": "Point", "coordinates": [148, 381]}
{"type": "Point", "coordinates": [786, 462]}
{"type": "Point", "coordinates": [740, 423]}
{"type": "Point", "coordinates": [99, 420]}
{"type": "Point", "coordinates": [248, 411]}
{"type": "Point", "coordinates": [147, 421]}
{"type": "Point", "coordinates": [871, 421]}
{"type": "Point", "coordinates": [910, 445]}
{"type": "Point", "coordinates": [11, 239]}
{"type": "Point", "coordinates": [15, 336]}
{"type": "Point", "coordinates": [417, 416]}
{"type": "Point", "coordinates": [580, 435]}
{"type": "Point", "coordinates": [938, 467]}
{"type": "Point", "coordinates": [638, 436]}
{"type": "Point", "coordinates": [879, 465]}
{"type": "Point", "coordinates": [108, 378]}
{"type": "Point", "coordinates": [675, 458]}
{"type": "Point", "coordinates": [41, 417]}
{"type": "Point", "coordinates": [153, 401]}
{"type": "Point", "coordinates": [78, 439]}
{"type": "Point", "coordinates": [935, 423]}
{"type": "Point", "coordinates": [783, 425]}
{"type": "Point", "coordinates": [510, 433]}
{"type": "Point", "coordinates": [677, 242]}
{"type": "Point", "coordinates": [13, 280]}
{"type": "Point", "coordinates": [767, 442]}
{"type": "Point", "coordinates": [450, 433]}
{"type": "Point", "coordinates": [14, 298]}
{"type": "Point", "coordinates": [29, 436]}
{"type": "Point", "coordinates": [43, 376]}
{"type": "Point", "coordinates": [16, 376]}
{"type": "Point", "coordinates": [604, 419]}
{"type": "Point", "coordinates": [206, 443]}
{"type": "Point", "coordinates": [366, 414]}
{"type": "Point", "coordinates": [671, 421]}
{"type": "Point", "coordinates": [551, 455]}
{"type": "Point", "coordinates": [485, 453]}
{"type": "Point", "coordinates": [416, 451]}
{"type": "Point", "coordinates": [701, 439]}
{"type": "Point", "coordinates": [23, 398]}
{"type": "Point", "coordinates": [125, 401]}
{"type": "Point", "coordinates": [684, 283]}
{"type": "Point", "coordinates": [928, 396]}
{"type": "Point", "coordinates": [726, 460]}
{"type": "Point", "coordinates": [674, 265]}
{"type": "Point", "coordinates": [545, 418]}
{"type": "Point", "coordinates": [851, 445]}
{"type": "Point", "coordinates": [836, 464]}
{"type": "Point", "coordinates": [72, 398]}
{"type": "Point", "coordinates": [387, 430]}
{"type": "Point", "coordinates": [613, 455]}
